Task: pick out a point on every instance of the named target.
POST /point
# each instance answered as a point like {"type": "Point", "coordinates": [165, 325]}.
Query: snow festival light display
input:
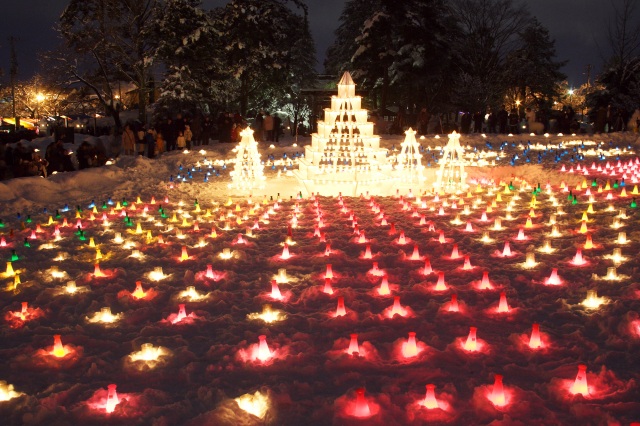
{"type": "Point", "coordinates": [248, 172]}
{"type": "Point", "coordinates": [408, 163]}
{"type": "Point", "coordinates": [451, 176]}
{"type": "Point", "coordinates": [373, 265]}
{"type": "Point", "coordinates": [344, 155]}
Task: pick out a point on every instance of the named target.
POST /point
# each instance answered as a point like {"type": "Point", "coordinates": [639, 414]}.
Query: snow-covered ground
{"type": "Point", "coordinates": [308, 375]}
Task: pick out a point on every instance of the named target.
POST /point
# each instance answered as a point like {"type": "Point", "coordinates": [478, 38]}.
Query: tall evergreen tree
{"type": "Point", "coordinates": [187, 43]}
{"type": "Point", "coordinates": [531, 71]}
{"type": "Point", "coordinates": [258, 37]}
{"type": "Point", "coordinates": [489, 33]}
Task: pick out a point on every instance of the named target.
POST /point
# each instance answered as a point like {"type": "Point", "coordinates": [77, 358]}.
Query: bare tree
{"type": "Point", "coordinates": [624, 31]}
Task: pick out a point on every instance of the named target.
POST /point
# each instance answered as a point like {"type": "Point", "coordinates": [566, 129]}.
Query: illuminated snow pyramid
{"type": "Point", "coordinates": [409, 161]}
{"type": "Point", "coordinates": [248, 173]}
{"type": "Point", "coordinates": [344, 155]}
{"type": "Point", "coordinates": [451, 177]}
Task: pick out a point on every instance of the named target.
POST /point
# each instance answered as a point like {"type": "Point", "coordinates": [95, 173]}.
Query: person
{"type": "Point", "coordinates": [530, 117]}
{"type": "Point", "coordinates": [277, 127]}
{"type": "Point", "coordinates": [128, 140]}
{"type": "Point", "coordinates": [140, 142]}
{"type": "Point", "coordinates": [423, 121]}
{"type": "Point", "coordinates": [207, 129]}
{"type": "Point", "coordinates": [160, 144]}
{"type": "Point", "coordinates": [169, 134]}
{"type": "Point", "coordinates": [188, 135]}
{"type": "Point", "coordinates": [150, 141]}
{"type": "Point", "coordinates": [478, 121]}
{"type": "Point", "coordinates": [258, 127]}
{"type": "Point", "coordinates": [181, 141]}
{"type": "Point", "coordinates": [514, 121]}
{"type": "Point", "coordinates": [503, 118]}
{"type": "Point", "coordinates": [268, 126]}
{"type": "Point", "coordinates": [492, 121]}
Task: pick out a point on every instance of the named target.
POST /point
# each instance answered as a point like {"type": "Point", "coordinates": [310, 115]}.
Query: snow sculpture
{"type": "Point", "coordinates": [344, 155]}
{"type": "Point", "coordinates": [451, 177]}
{"type": "Point", "coordinates": [248, 173]}
{"type": "Point", "coordinates": [409, 161]}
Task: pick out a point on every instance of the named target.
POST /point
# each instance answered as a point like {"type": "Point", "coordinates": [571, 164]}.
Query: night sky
{"type": "Point", "coordinates": [578, 26]}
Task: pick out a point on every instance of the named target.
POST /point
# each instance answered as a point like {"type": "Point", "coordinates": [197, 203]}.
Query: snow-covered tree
{"type": "Point", "coordinates": [110, 43]}
{"type": "Point", "coordinates": [399, 51]}
{"type": "Point", "coordinates": [187, 43]}
{"type": "Point", "coordinates": [259, 37]}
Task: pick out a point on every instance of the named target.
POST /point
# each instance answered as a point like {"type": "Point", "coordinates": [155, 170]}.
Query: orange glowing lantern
{"type": "Point", "coordinates": [139, 292]}
{"type": "Point", "coordinates": [59, 350]}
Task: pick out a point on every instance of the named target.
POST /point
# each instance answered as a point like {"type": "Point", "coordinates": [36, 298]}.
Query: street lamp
{"type": "Point", "coordinates": [570, 97]}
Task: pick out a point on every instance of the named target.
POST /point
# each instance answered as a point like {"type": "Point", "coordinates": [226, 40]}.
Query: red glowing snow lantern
{"type": "Point", "coordinates": [521, 236]}
{"type": "Point", "coordinates": [427, 268]}
{"type": "Point", "coordinates": [410, 347]}
{"type": "Point", "coordinates": [453, 304]}
{"type": "Point", "coordinates": [401, 239]}
{"type": "Point", "coordinates": [430, 402]}
{"type": "Point", "coordinates": [375, 270]}
{"type": "Point", "coordinates": [367, 252]}
{"type": "Point", "coordinates": [578, 259]}
{"type": "Point", "coordinates": [264, 353]}
{"type": "Point", "coordinates": [471, 343]}
{"type": "Point", "coordinates": [485, 284]}
{"type": "Point", "coordinates": [469, 227]}
{"type": "Point", "coordinates": [497, 396]}
{"type": "Point", "coordinates": [275, 290]}
{"type": "Point", "coordinates": [580, 384]}
{"type": "Point", "coordinates": [467, 264]}
{"type": "Point", "coordinates": [534, 341]}
{"type": "Point", "coordinates": [416, 253]}
{"type": "Point", "coordinates": [454, 252]}
{"type": "Point", "coordinates": [503, 306]}
{"type": "Point", "coordinates": [340, 310]}
{"type": "Point", "coordinates": [182, 314]}
{"type": "Point", "coordinates": [327, 250]}
{"type": "Point", "coordinates": [209, 274]}
{"type": "Point", "coordinates": [112, 399]}
{"type": "Point", "coordinates": [553, 279]}
{"type": "Point", "coordinates": [285, 252]}
{"type": "Point", "coordinates": [440, 285]}
{"type": "Point", "coordinates": [362, 409]}
{"type": "Point", "coordinates": [353, 345]}
{"type": "Point", "coordinates": [507, 249]}
{"type": "Point", "coordinates": [329, 272]}
{"type": "Point", "coordinates": [397, 308]}
{"type": "Point", "coordinates": [327, 286]}
{"type": "Point", "coordinates": [384, 287]}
